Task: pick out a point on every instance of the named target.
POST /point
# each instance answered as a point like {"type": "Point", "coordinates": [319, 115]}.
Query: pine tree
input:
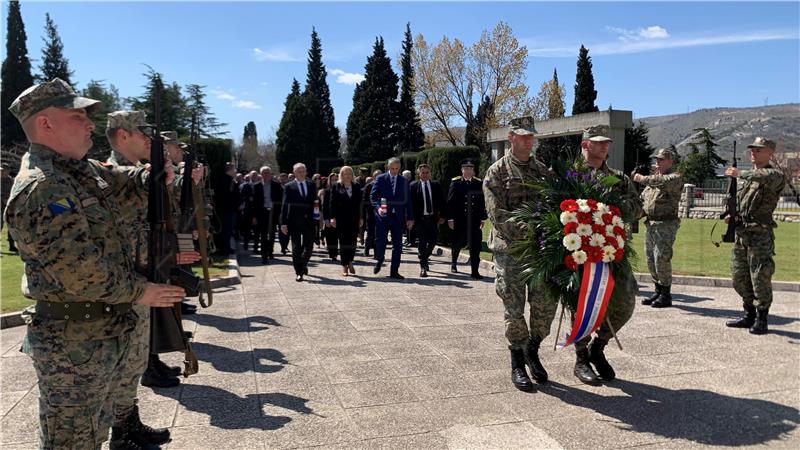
{"type": "Point", "coordinates": [376, 125]}
{"type": "Point", "coordinates": [292, 139]}
{"type": "Point", "coordinates": [637, 147]}
{"type": "Point", "coordinates": [702, 161]}
{"type": "Point", "coordinates": [175, 115]}
{"type": "Point", "coordinates": [110, 102]}
{"type": "Point", "coordinates": [206, 122]}
{"type": "Point", "coordinates": [248, 156]}
{"type": "Point", "coordinates": [54, 64]}
{"type": "Point", "coordinates": [324, 140]}
{"type": "Point", "coordinates": [410, 135]}
{"type": "Point", "coordinates": [585, 95]}
{"type": "Point", "coordinates": [16, 75]}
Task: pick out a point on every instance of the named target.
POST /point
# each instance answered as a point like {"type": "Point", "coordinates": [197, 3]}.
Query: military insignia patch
{"type": "Point", "coordinates": [61, 206]}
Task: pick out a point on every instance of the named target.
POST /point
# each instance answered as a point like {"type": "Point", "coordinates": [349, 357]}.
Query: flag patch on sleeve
{"type": "Point", "coordinates": [61, 206]}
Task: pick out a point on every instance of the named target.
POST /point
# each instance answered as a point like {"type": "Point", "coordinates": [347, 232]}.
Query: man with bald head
{"type": "Point", "coordinates": [64, 213]}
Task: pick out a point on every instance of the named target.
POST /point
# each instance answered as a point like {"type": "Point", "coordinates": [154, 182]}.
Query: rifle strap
{"type": "Point", "coordinates": [716, 243]}
{"type": "Point", "coordinates": [202, 241]}
{"type": "Point", "coordinates": [190, 364]}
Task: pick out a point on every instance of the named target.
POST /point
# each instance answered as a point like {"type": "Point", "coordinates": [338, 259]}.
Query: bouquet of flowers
{"type": "Point", "coordinates": [576, 242]}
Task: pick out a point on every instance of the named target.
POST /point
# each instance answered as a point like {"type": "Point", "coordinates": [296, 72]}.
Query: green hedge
{"type": "Point", "coordinates": [445, 162]}
{"type": "Point", "coordinates": [215, 152]}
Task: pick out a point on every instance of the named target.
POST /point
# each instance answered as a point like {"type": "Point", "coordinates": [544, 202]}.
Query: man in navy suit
{"type": "Point", "coordinates": [297, 218]}
{"type": "Point", "coordinates": [391, 191]}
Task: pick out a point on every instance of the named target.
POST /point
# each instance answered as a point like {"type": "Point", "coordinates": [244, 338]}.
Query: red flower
{"type": "Point", "coordinates": [614, 210]}
{"type": "Point", "coordinates": [599, 229]}
{"type": "Point", "coordinates": [584, 242]}
{"type": "Point", "coordinates": [569, 205]}
{"type": "Point", "coordinates": [607, 219]}
{"type": "Point", "coordinates": [584, 218]}
{"type": "Point", "coordinates": [594, 254]}
{"type": "Point", "coordinates": [592, 204]}
{"type": "Point", "coordinates": [618, 255]}
{"type": "Point", "coordinates": [622, 234]}
{"type": "Point", "coordinates": [570, 263]}
{"type": "Point", "coordinates": [612, 241]}
{"type": "Point", "coordinates": [571, 227]}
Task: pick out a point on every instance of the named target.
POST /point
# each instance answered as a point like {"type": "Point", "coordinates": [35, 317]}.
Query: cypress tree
{"type": "Point", "coordinates": [410, 135]}
{"type": "Point", "coordinates": [54, 64]}
{"type": "Point", "coordinates": [475, 133]}
{"type": "Point", "coordinates": [551, 148]}
{"type": "Point", "coordinates": [585, 95]}
{"type": "Point", "coordinates": [354, 125]}
{"type": "Point", "coordinates": [291, 140]}
{"type": "Point", "coordinates": [16, 75]}
{"type": "Point", "coordinates": [324, 140]}
{"type": "Point", "coordinates": [207, 124]}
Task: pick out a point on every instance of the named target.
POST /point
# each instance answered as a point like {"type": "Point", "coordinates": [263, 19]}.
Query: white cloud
{"type": "Point", "coordinates": [651, 32]}
{"type": "Point", "coordinates": [263, 83]}
{"type": "Point", "coordinates": [343, 77]}
{"type": "Point", "coordinates": [631, 45]}
{"type": "Point", "coordinates": [222, 95]}
{"type": "Point", "coordinates": [246, 104]}
{"type": "Point", "coordinates": [274, 55]}
{"type": "Point", "coordinates": [654, 32]}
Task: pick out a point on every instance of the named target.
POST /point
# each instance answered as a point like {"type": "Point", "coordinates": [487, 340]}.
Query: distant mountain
{"type": "Point", "coordinates": [778, 122]}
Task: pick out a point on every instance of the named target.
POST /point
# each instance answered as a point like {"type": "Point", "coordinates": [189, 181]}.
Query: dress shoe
{"type": "Point", "coordinates": [583, 371]}
{"type": "Point", "coordinates": [423, 273]}
{"type": "Point", "coordinates": [378, 267]}
{"type": "Point", "coordinates": [351, 268]}
{"type": "Point", "coordinates": [519, 377]}
{"type": "Point", "coordinates": [654, 297]}
{"type": "Point", "coordinates": [366, 252]}
{"type": "Point", "coordinates": [284, 251]}
{"type": "Point", "coordinates": [746, 321]}
{"type": "Point", "coordinates": [187, 309]}
{"type": "Point", "coordinates": [665, 300]}
{"type": "Point", "coordinates": [305, 270]}
{"type": "Point", "coordinates": [453, 268]}
{"type": "Point", "coordinates": [760, 327]}
{"type": "Point", "coordinates": [298, 278]}
{"type": "Point", "coordinates": [396, 276]}
{"type": "Point", "coordinates": [598, 359]}
{"type": "Point", "coordinates": [476, 276]}
{"type": "Point", "coordinates": [344, 271]}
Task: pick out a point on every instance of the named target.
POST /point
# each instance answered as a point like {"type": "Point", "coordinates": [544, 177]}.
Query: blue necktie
{"type": "Point", "coordinates": [394, 184]}
{"type": "Point", "coordinates": [303, 189]}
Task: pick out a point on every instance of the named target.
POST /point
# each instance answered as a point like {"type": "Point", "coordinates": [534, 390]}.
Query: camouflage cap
{"type": "Point", "coordinates": [171, 137]}
{"type": "Point", "coordinates": [522, 126]}
{"type": "Point", "coordinates": [761, 142]}
{"type": "Point", "coordinates": [598, 133]}
{"type": "Point", "coordinates": [664, 153]}
{"type": "Point", "coordinates": [127, 120]}
{"type": "Point", "coordinates": [56, 93]}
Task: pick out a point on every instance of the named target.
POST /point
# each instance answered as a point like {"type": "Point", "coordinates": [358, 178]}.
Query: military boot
{"type": "Point", "coordinates": [143, 434]}
{"type": "Point", "coordinates": [747, 320]}
{"type": "Point", "coordinates": [532, 357]}
{"type": "Point", "coordinates": [519, 377]}
{"type": "Point", "coordinates": [160, 367]}
{"type": "Point", "coordinates": [121, 440]}
{"type": "Point", "coordinates": [583, 370]}
{"type": "Point", "coordinates": [665, 300]}
{"type": "Point", "coordinates": [598, 359]}
{"type": "Point", "coordinates": [760, 327]}
{"type": "Point", "coordinates": [654, 297]}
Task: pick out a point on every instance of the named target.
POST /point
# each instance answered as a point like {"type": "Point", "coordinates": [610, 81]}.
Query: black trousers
{"type": "Point", "coordinates": [426, 228]}
{"type": "Point", "coordinates": [267, 224]}
{"type": "Point", "coordinates": [302, 247]}
{"type": "Point", "coordinates": [369, 231]}
{"type": "Point", "coordinates": [468, 235]}
{"type": "Point", "coordinates": [331, 241]}
{"type": "Point", "coordinates": [347, 242]}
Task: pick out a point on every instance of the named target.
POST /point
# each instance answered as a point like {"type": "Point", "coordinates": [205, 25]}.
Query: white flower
{"type": "Point", "coordinates": [584, 230]}
{"type": "Point", "coordinates": [597, 217]}
{"type": "Point", "coordinates": [616, 221]}
{"type": "Point", "coordinates": [567, 217]}
{"type": "Point", "coordinates": [608, 253]}
{"type": "Point", "coordinates": [583, 206]}
{"type": "Point", "coordinates": [610, 230]}
{"type": "Point", "coordinates": [619, 239]}
{"type": "Point", "coordinates": [597, 240]}
{"type": "Point", "coordinates": [579, 257]}
{"type": "Point", "coordinates": [572, 242]}
{"type": "Point", "coordinates": [582, 202]}
{"type": "Point", "coordinates": [602, 208]}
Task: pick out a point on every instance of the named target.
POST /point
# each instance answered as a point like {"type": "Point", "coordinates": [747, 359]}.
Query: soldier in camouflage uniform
{"type": "Point", "coordinates": [63, 212]}
{"type": "Point", "coordinates": [661, 196]}
{"type": "Point", "coordinates": [505, 191]}
{"type": "Point", "coordinates": [594, 149]}
{"type": "Point", "coordinates": [752, 264]}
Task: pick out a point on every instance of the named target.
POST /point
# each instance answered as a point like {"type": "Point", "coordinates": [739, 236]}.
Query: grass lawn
{"type": "Point", "coordinates": [217, 269]}
{"type": "Point", "coordinates": [694, 254]}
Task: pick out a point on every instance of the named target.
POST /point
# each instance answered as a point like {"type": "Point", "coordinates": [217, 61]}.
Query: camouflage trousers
{"type": "Point", "coordinates": [133, 367]}
{"type": "Point", "coordinates": [752, 266]}
{"type": "Point", "coordinates": [619, 311]}
{"type": "Point", "coordinates": [512, 290]}
{"type": "Point", "coordinates": [77, 379]}
{"type": "Point", "coordinates": [658, 241]}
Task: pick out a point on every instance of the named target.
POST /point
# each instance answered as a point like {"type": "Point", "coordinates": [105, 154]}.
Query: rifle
{"type": "Point", "coordinates": [193, 210]}
{"type": "Point", "coordinates": [730, 208]}
{"type": "Point", "coordinates": [642, 169]}
{"type": "Point", "coordinates": [166, 329]}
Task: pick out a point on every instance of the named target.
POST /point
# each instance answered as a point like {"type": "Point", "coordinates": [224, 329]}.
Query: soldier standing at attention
{"type": "Point", "coordinates": [505, 191]}
{"type": "Point", "coordinates": [752, 264]}
{"type": "Point", "coordinates": [661, 196]}
{"type": "Point", "coordinates": [466, 212]}
{"type": "Point", "coordinates": [63, 212]}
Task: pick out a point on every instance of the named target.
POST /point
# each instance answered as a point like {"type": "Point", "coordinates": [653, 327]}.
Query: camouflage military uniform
{"type": "Point", "coordinates": [505, 191]}
{"type": "Point", "coordinates": [661, 197]}
{"type": "Point", "coordinates": [752, 264]}
{"type": "Point", "coordinates": [64, 216]}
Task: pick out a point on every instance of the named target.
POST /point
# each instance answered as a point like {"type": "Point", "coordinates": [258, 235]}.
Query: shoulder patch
{"type": "Point", "coordinates": [61, 206]}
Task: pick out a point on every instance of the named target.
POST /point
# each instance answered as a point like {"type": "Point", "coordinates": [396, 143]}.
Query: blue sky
{"type": "Point", "coordinates": [651, 58]}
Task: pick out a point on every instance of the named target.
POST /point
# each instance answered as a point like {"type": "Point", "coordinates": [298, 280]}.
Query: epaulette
{"type": "Point", "coordinates": [476, 178]}
{"type": "Point", "coordinates": [456, 178]}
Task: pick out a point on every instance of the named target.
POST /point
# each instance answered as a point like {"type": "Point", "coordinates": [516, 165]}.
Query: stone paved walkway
{"type": "Point", "coordinates": [368, 362]}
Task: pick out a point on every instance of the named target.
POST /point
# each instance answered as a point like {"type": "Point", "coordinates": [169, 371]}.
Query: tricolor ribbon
{"type": "Point", "coordinates": [596, 288]}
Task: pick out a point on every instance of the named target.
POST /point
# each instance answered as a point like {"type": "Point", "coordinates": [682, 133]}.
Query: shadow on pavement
{"type": "Point", "coordinates": [223, 359]}
{"type": "Point", "coordinates": [697, 415]}
{"type": "Point", "coordinates": [234, 325]}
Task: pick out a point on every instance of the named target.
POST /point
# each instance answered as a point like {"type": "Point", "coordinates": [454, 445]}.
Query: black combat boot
{"type": "Point", "coordinates": [519, 377]}
{"type": "Point", "coordinates": [152, 377]}
{"type": "Point", "coordinates": [583, 370]}
{"type": "Point", "coordinates": [598, 359]}
{"type": "Point", "coordinates": [665, 300]}
{"type": "Point", "coordinates": [121, 440]}
{"type": "Point", "coordinates": [760, 327]}
{"type": "Point", "coordinates": [160, 367]}
{"type": "Point", "coordinates": [532, 357]}
{"type": "Point", "coordinates": [654, 297]}
{"type": "Point", "coordinates": [747, 320]}
{"type": "Point", "coordinates": [143, 434]}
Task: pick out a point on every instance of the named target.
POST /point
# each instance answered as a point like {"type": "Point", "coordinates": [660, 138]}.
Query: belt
{"type": "Point", "coordinates": [83, 311]}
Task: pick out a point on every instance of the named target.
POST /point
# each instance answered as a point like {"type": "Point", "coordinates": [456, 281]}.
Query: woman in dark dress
{"type": "Point", "coordinates": [346, 216]}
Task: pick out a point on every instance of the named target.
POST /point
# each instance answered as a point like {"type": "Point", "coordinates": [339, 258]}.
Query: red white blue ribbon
{"type": "Point", "coordinates": [596, 288]}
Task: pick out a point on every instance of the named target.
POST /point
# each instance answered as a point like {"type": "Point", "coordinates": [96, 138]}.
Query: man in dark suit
{"type": "Point", "coordinates": [426, 196]}
{"type": "Point", "coordinates": [392, 206]}
{"type": "Point", "coordinates": [246, 210]}
{"type": "Point", "coordinates": [466, 212]}
{"type": "Point", "coordinates": [297, 218]}
{"type": "Point", "coordinates": [267, 197]}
